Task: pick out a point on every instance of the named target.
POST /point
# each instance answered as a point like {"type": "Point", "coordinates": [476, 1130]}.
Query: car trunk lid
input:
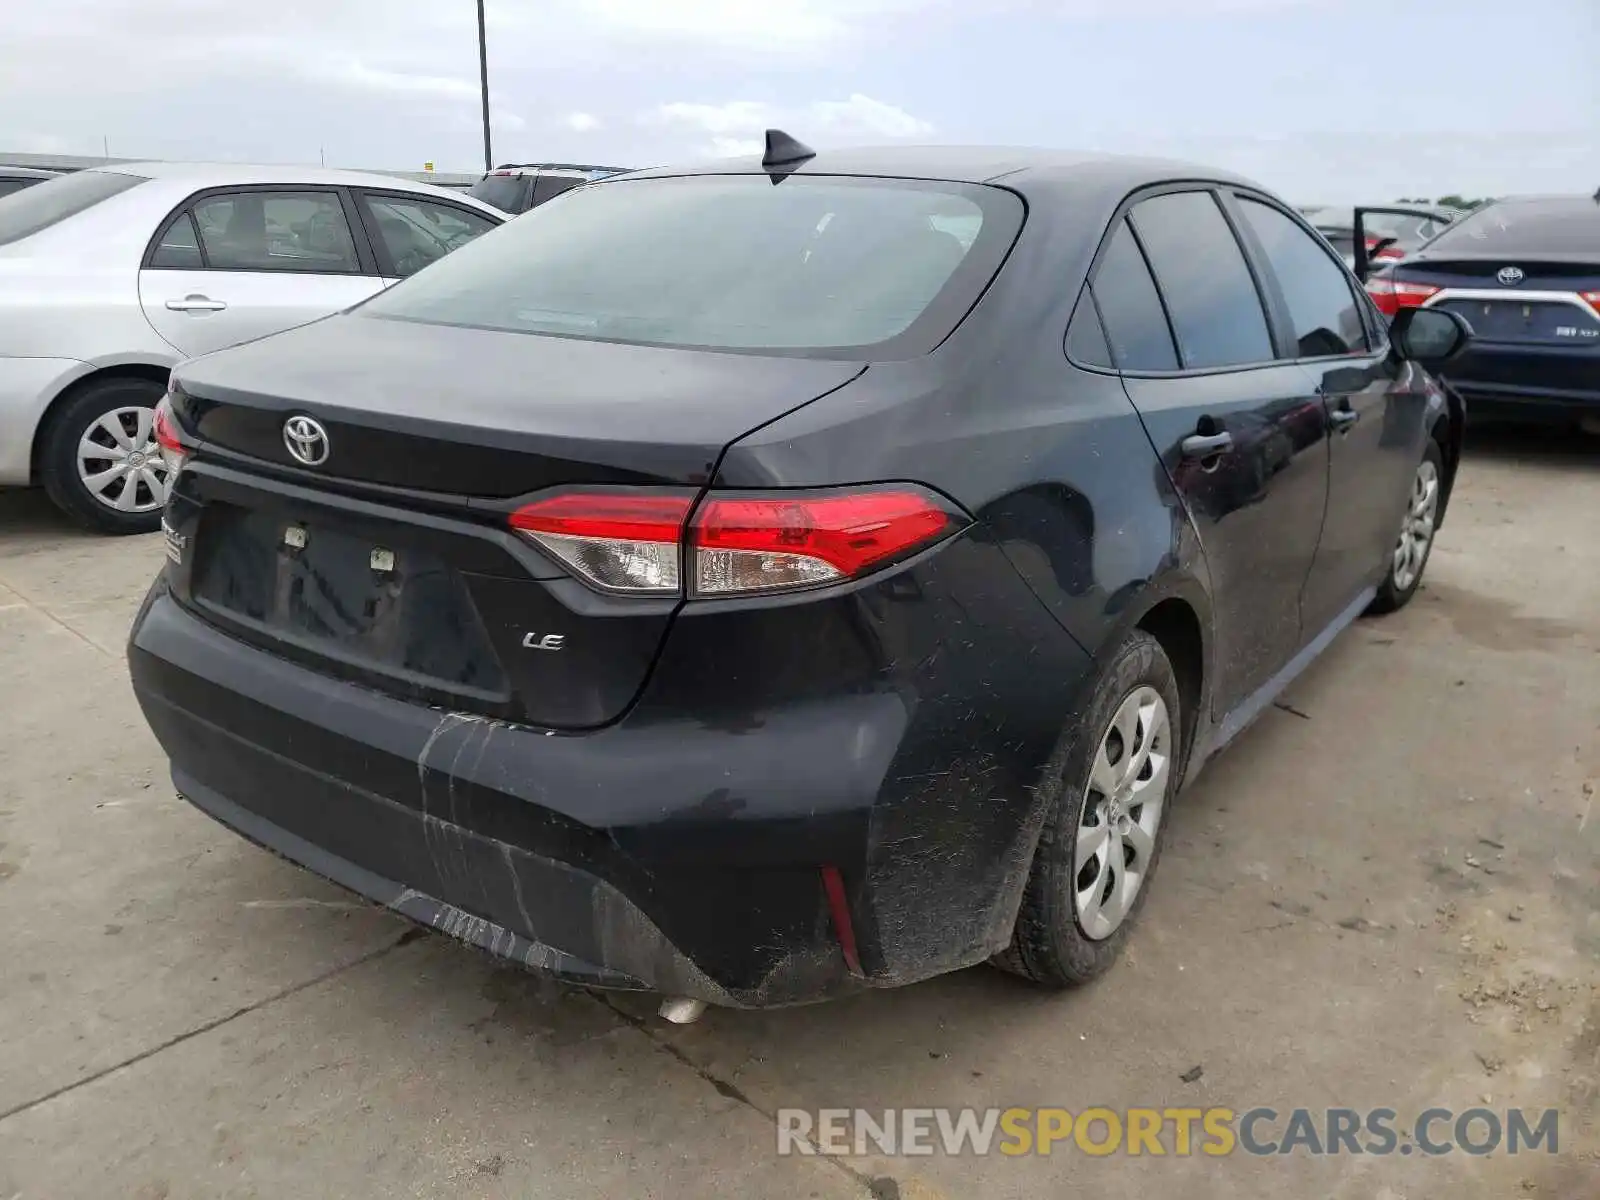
{"type": "Point", "coordinates": [1551, 300]}
{"type": "Point", "coordinates": [392, 563]}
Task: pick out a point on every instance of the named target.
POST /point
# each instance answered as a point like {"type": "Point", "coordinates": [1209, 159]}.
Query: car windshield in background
{"type": "Point", "coordinates": [1558, 225]}
{"type": "Point", "coordinates": [821, 266]}
{"type": "Point", "coordinates": [41, 206]}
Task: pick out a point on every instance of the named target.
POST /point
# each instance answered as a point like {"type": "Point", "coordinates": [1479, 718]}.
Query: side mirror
{"type": "Point", "coordinates": [1429, 336]}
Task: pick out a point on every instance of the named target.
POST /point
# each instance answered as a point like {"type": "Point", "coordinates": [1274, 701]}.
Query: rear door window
{"type": "Point", "coordinates": [303, 231]}
{"type": "Point", "coordinates": [43, 205]}
{"type": "Point", "coordinates": [1135, 325]}
{"type": "Point", "coordinates": [1317, 291]}
{"type": "Point", "coordinates": [1216, 311]}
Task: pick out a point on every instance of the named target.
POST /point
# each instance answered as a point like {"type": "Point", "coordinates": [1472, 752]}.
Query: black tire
{"type": "Point", "coordinates": [1392, 594]}
{"type": "Point", "coordinates": [58, 453]}
{"type": "Point", "coordinates": [1049, 946]}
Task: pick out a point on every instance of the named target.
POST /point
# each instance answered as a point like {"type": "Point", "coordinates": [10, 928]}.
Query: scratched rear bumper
{"type": "Point", "coordinates": [594, 858]}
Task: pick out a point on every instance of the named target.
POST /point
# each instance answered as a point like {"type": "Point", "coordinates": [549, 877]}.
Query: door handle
{"type": "Point", "coordinates": [1203, 445]}
{"type": "Point", "coordinates": [196, 304]}
{"type": "Point", "coordinates": [1343, 418]}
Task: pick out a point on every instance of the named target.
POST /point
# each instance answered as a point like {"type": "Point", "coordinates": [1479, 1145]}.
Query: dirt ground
{"type": "Point", "coordinates": [1387, 893]}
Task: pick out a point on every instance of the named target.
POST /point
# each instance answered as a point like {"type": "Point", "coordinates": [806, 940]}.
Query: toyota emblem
{"type": "Point", "coordinates": [1510, 276]}
{"type": "Point", "coordinates": [307, 440]}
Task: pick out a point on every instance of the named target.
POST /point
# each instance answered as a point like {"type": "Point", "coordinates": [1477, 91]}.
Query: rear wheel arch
{"type": "Point", "coordinates": [1175, 624]}
{"type": "Point", "coordinates": [1448, 430]}
{"type": "Point", "coordinates": [148, 371]}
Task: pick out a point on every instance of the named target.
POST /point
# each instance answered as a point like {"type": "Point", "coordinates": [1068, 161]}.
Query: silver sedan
{"type": "Point", "coordinates": [110, 277]}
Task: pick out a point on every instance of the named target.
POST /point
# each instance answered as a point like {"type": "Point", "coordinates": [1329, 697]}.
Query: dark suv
{"type": "Point", "coordinates": [1525, 273]}
{"type": "Point", "coordinates": [784, 577]}
{"type": "Point", "coordinates": [517, 187]}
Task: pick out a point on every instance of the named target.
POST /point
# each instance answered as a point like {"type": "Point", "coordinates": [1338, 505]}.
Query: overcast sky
{"type": "Point", "coordinates": [1321, 99]}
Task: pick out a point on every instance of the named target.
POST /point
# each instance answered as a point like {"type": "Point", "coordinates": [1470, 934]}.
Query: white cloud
{"type": "Point", "coordinates": [581, 122]}
{"type": "Point", "coordinates": [734, 127]}
{"type": "Point", "coordinates": [787, 26]}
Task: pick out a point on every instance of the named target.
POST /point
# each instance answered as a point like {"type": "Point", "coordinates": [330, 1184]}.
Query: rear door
{"type": "Point", "coordinates": [1376, 422]}
{"type": "Point", "coordinates": [236, 264]}
{"type": "Point", "coordinates": [1242, 433]}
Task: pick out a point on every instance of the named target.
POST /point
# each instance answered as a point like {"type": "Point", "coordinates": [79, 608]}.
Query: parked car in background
{"type": "Point", "coordinates": [110, 276]}
{"type": "Point", "coordinates": [767, 580]}
{"type": "Point", "coordinates": [14, 179]}
{"type": "Point", "coordinates": [1525, 273]}
{"type": "Point", "coordinates": [517, 187]}
{"type": "Point", "coordinates": [1391, 232]}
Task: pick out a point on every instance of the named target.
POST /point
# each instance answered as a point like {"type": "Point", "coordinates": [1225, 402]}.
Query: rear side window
{"type": "Point", "coordinates": [1316, 290]}
{"type": "Point", "coordinates": [1526, 228]}
{"type": "Point", "coordinates": [548, 187]}
{"type": "Point", "coordinates": [1086, 337]}
{"type": "Point", "coordinates": [823, 266]}
{"type": "Point", "coordinates": [1135, 326]}
{"type": "Point", "coordinates": [418, 232]}
{"type": "Point", "coordinates": [1215, 308]}
{"type": "Point", "coordinates": [276, 231]}
{"type": "Point", "coordinates": [505, 192]}
{"type": "Point", "coordinates": [179, 248]}
{"type": "Point", "coordinates": [43, 205]}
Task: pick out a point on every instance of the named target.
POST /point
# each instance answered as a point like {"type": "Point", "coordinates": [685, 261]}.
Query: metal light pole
{"type": "Point", "coordinates": [483, 77]}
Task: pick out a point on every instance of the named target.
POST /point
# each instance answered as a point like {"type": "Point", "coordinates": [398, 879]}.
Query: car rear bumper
{"type": "Point", "coordinates": [1528, 384]}
{"type": "Point", "coordinates": [1542, 406]}
{"type": "Point", "coordinates": [682, 857]}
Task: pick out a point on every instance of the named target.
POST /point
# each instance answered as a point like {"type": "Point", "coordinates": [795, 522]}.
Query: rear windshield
{"type": "Point", "coordinates": [502, 191]}
{"type": "Point", "coordinates": [825, 266]}
{"type": "Point", "coordinates": [1526, 228]}
{"type": "Point", "coordinates": [34, 208]}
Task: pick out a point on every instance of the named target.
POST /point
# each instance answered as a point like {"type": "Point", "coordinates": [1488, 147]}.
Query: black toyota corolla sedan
{"type": "Point", "coordinates": [757, 582]}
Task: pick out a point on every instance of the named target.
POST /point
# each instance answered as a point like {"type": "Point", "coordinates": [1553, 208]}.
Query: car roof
{"type": "Point", "coordinates": [1020, 167]}
{"type": "Point", "coordinates": [555, 168]}
{"type": "Point", "coordinates": [10, 172]}
{"type": "Point", "coordinates": [203, 174]}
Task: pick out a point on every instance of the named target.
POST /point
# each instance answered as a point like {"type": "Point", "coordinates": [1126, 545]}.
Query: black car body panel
{"type": "Point", "coordinates": [660, 804]}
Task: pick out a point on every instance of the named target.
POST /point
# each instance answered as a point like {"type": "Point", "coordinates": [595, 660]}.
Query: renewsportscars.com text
{"type": "Point", "coordinates": [1180, 1132]}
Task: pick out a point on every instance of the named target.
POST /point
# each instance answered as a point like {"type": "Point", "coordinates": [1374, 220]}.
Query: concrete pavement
{"type": "Point", "coordinates": [1387, 893]}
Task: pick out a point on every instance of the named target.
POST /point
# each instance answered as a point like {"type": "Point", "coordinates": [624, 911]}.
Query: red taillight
{"type": "Point", "coordinates": [736, 544]}
{"type": "Point", "coordinates": [757, 543]}
{"type": "Point", "coordinates": [618, 541]}
{"type": "Point", "coordinates": [1592, 299]}
{"type": "Point", "coordinates": [1391, 295]}
{"type": "Point", "coordinates": [164, 432]}
{"type": "Point", "coordinates": [1389, 254]}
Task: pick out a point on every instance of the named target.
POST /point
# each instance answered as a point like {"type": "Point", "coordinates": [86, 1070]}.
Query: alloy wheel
{"type": "Point", "coordinates": [1416, 530]}
{"type": "Point", "coordinates": [1123, 805]}
{"type": "Point", "coordinates": [119, 463]}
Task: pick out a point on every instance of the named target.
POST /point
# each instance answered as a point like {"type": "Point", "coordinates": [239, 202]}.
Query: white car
{"type": "Point", "coordinates": [110, 277]}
